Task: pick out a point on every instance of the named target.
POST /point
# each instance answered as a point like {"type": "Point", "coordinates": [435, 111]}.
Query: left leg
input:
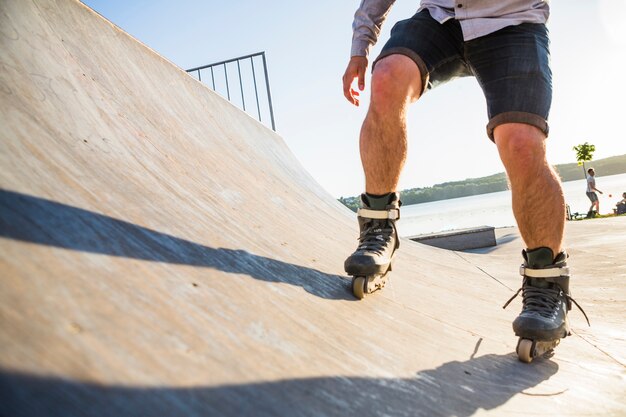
{"type": "Point", "coordinates": [512, 67]}
{"type": "Point", "coordinates": [538, 202]}
{"type": "Point", "coordinates": [539, 208]}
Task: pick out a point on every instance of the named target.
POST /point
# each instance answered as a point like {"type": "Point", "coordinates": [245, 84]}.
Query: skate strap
{"type": "Point", "coordinates": [392, 214]}
{"type": "Point", "coordinates": [554, 272]}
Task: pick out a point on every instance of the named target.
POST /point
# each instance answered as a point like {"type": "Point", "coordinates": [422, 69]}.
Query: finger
{"type": "Point", "coordinates": [347, 92]}
{"type": "Point", "coordinates": [361, 79]}
{"type": "Point", "coordinates": [346, 87]}
{"type": "Point", "coordinates": [355, 97]}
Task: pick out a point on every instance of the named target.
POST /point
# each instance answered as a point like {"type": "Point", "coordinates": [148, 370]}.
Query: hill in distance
{"type": "Point", "coordinates": [493, 183]}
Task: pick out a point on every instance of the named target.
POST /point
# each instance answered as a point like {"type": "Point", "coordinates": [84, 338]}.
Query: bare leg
{"type": "Point", "coordinates": [538, 202]}
{"type": "Point", "coordinates": [396, 82]}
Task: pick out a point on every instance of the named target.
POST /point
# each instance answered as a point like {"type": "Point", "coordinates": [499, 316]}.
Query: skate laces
{"type": "Point", "coordinates": [543, 301]}
{"type": "Point", "coordinates": [376, 237]}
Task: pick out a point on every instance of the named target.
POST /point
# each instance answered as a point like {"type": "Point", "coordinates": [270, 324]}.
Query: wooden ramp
{"type": "Point", "coordinates": [162, 253]}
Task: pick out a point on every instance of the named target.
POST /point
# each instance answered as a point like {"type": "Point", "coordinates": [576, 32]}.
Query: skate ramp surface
{"type": "Point", "coordinates": [162, 253]}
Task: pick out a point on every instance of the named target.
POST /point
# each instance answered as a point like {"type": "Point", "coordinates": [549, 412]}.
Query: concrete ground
{"type": "Point", "coordinates": [597, 250]}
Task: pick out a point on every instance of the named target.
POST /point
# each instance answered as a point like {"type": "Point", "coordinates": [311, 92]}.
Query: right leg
{"type": "Point", "coordinates": [421, 52]}
{"type": "Point", "coordinates": [396, 82]}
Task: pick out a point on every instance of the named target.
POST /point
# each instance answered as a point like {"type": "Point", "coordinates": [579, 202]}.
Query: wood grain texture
{"type": "Point", "coordinates": [162, 253]}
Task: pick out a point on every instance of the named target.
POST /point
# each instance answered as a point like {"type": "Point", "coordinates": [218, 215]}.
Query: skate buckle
{"type": "Point", "coordinates": [391, 214]}
{"type": "Point", "coordinates": [562, 271]}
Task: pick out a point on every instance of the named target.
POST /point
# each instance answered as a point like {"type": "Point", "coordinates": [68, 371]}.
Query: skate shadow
{"type": "Point", "coordinates": [36, 220]}
{"type": "Point", "coordinates": [452, 389]}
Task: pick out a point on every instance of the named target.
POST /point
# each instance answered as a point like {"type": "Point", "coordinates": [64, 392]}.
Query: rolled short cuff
{"type": "Point", "coordinates": [517, 117]}
{"type": "Point", "coordinates": [398, 50]}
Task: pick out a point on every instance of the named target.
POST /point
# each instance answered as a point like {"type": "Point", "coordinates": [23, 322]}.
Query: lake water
{"type": "Point", "coordinates": [494, 209]}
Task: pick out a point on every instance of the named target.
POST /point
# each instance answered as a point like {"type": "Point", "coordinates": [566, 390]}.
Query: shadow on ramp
{"type": "Point", "coordinates": [453, 389]}
{"type": "Point", "coordinates": [37, 220]}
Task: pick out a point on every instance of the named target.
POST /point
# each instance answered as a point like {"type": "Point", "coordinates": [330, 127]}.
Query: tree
{"type": "Point", "coordinates": [584, 153]}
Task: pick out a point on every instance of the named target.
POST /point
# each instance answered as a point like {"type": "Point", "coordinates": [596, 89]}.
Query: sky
{"type": "Point", "coordinates": [307, 45]}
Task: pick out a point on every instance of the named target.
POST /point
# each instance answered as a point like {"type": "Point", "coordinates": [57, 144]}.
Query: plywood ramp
{"type": "Point", "coordinates": [162, 253]}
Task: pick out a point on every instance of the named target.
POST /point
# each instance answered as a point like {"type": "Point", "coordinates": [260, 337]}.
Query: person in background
{"type": "Point", "coordinates": [591, 192]}
{"type": "Point", "coordinates": [620, 207]}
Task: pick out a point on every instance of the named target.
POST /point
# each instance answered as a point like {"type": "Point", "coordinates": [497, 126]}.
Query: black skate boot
{"type": "Point", "coordinates": [546, 300]}
{"type": "Point", "coordinates": [378, 241]}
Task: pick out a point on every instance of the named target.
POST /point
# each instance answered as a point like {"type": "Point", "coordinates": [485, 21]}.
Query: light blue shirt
{"type": "Point", "coordinates": [476, 17]}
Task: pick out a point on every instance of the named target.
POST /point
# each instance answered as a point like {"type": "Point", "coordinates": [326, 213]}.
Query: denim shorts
{"type": "Point", "coordinates": [592, 196]}
{"type": "Point", "coordinates": [512, 65]}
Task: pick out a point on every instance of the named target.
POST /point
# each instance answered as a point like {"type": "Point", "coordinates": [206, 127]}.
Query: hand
{"type": "Point", "coordinates": [356, 70]}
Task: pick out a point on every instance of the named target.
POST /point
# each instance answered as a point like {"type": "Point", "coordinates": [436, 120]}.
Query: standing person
{"type": "Point", "coordinates": [505, 45]}
{"type": "Point", "coordinates": [591, 192]}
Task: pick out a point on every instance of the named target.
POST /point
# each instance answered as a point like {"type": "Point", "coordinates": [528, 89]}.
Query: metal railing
{"type": "Point", "coordinates": [220, 83]}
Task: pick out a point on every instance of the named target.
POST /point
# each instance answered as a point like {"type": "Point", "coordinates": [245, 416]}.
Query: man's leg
{"type": "Point", "coordinates": [539, 209]}
{"type": "Point", "coordinates": [512, 66]}
{"type": "Point", "coordinates": [420, 52]}
{"type": "Point", "coordinates": [595, 203]}
{"type": "Point", "coordinates": [396, 82]}
{"type": "Point", "coordinates": [538, 202]}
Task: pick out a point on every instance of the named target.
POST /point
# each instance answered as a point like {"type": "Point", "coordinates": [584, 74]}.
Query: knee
{"type": "Point", "coordinates": [520, 145]}
{"type": "Point", "coordinates": [385, 93]}
{"type": "Point", "coordinates": [396, 80]}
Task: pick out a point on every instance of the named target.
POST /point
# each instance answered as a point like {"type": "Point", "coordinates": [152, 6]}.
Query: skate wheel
{"type": "Point", "coordinates": [358, 287]}
{"type": "Point", "coordinates": [525, 349]}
